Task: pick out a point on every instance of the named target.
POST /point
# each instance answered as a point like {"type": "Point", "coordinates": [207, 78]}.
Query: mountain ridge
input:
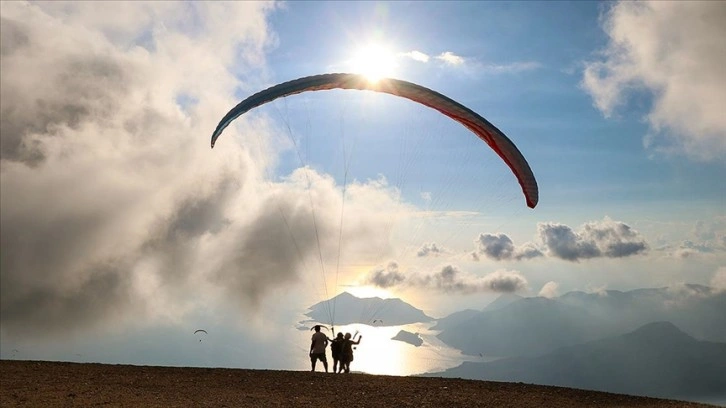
{"type": "Point", "coordinates": [657, 360]}
{"type": "Point", "coordinates": [349, 309]}
{"type": "Point", "coordinates": [535, 325]}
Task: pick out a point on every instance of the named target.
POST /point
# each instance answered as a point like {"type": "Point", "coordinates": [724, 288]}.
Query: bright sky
{"type": "Point", "coordinates": [117, 217]}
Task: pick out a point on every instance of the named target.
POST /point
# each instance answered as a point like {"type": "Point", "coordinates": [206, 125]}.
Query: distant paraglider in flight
{"type": "Point", "coordinates": [322, 326]}
{"type": "Point", "coordinates": [200, 331]}
{"type": "Point", "coordinates": [482, 128]}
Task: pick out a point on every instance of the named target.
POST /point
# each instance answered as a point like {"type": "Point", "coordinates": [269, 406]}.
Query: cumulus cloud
{"type": "Point", "coordinates": [495, 246]}
{"type": "Point", "coordinates": [607, 238]}
{"type": "Point", "coordinates": [113, 205]}
{"type": "Point", "coordinates": [675, 52]}
{"type": "Point", "coordinates": [101, 175]}
{"type": "Point", "coordinates": [449, 279]}
{"type": "Point", "coordinates": [431, 250]}
{"type": "Point", "coordinates": [550, 290]}
{"type": "Point", "coordinates": [386, 277]}
{"type": "Point", "coordinates": [500, 247]}
{"type": "Point", "coordinates": [504, 281]}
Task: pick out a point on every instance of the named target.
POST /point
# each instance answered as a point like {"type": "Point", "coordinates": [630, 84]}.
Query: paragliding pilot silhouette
{"type": "Point", "coordinates": [317, 348]}
{"type": "Point", "coordinates": [336, 348]}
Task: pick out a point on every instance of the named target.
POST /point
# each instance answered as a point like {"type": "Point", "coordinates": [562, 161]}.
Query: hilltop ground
{"type": "Point", "coordinates": [58, 384]}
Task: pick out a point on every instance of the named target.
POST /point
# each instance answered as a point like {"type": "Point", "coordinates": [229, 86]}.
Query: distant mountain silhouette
{"type": "Point", "coordinates": [349, 309]}
{"type": "Point", "coordinates": [503, 300]}
{"type": "Point", "coordinates": [532, 326]}
{"type": "Point", "coordinates": [696, 309]}
{"type": "Point", "coordinates": [455, 319]}
{"type": "Point", "coordinates": [529, 326]}
{"type": "Point", "coordinates": [657, 359]}
{"type": "Point", "coordinates": [407, 337]}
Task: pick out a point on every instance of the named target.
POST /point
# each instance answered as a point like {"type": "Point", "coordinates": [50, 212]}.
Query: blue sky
{"type": "Point", "coordinates": [524, 71]}
{"type": "Point", "coordinates": [117, 216]}
{"type": "Point", "coordinates": [544, 108]}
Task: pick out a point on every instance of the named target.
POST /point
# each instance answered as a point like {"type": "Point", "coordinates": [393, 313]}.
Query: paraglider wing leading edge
{"type": "Point", "coordinates": [487, 132]}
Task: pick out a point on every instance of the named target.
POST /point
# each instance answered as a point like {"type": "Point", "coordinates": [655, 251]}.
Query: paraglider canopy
{"type": "Point", "coordinates": [319, 325]}
{"type": "Point", "coordinates": [482, 128]}
{"type": "Point", "coordinates": [200, 331]}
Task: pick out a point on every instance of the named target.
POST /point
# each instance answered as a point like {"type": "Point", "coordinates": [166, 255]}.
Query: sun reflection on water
{"type": "Point", "coordinates": [379, 354]}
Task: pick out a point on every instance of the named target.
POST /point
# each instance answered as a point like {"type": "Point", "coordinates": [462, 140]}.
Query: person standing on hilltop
{"type": "Point", "coordinates": [336, 348]}
{"type": "Point", "coordinates": [346, 356]}
{"type": "Point", "coordinates": [317, 348]}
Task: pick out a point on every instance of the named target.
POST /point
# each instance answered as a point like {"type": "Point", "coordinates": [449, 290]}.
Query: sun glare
{"type": "Point", "coordinates": [374, 62]}
{"type": "Point", "coordinates": [368, 292]}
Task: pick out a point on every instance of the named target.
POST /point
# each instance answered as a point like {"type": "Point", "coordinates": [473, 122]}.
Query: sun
{"type": "Point", "coordinates": [374, 61]}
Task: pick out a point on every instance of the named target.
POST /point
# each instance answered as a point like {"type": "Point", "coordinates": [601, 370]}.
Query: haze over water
{"type": "Point", "coordinates": [378, 354]}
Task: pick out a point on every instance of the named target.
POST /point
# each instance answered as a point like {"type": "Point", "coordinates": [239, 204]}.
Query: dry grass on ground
{"type": "Point", "coordinates": [58, 384]}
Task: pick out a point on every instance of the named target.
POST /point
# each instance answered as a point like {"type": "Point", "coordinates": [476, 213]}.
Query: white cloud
{"type": "Point", "coordinates": [675, 52]}
{"type": "Point", "coordinates": [103, 176]}
{"type": "Point", "coordinates": [450, 58]}
{"type": "Point", "coordinates": [448, 279]}
{"type": "Point", "coordinates": [114, 209]}
{"type": "Point", "coordinates": [607, 238]}
{"type": "Point", "coordinates": [416, 56]}
{"type": "Point", "coordinates": [502, 281]}
{"type": "Point", "coordinates": [386, 277]}
{"type": "Point", "coordinates": [500, 247]}
{"type": "Point", "coordinates": [550, 290]}
{"type": "Point", "coordinates": [431, 249]}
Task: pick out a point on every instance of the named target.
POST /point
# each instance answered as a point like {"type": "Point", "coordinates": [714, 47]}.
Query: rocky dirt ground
{"type": "Point", "coordinates": [59, 384]}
